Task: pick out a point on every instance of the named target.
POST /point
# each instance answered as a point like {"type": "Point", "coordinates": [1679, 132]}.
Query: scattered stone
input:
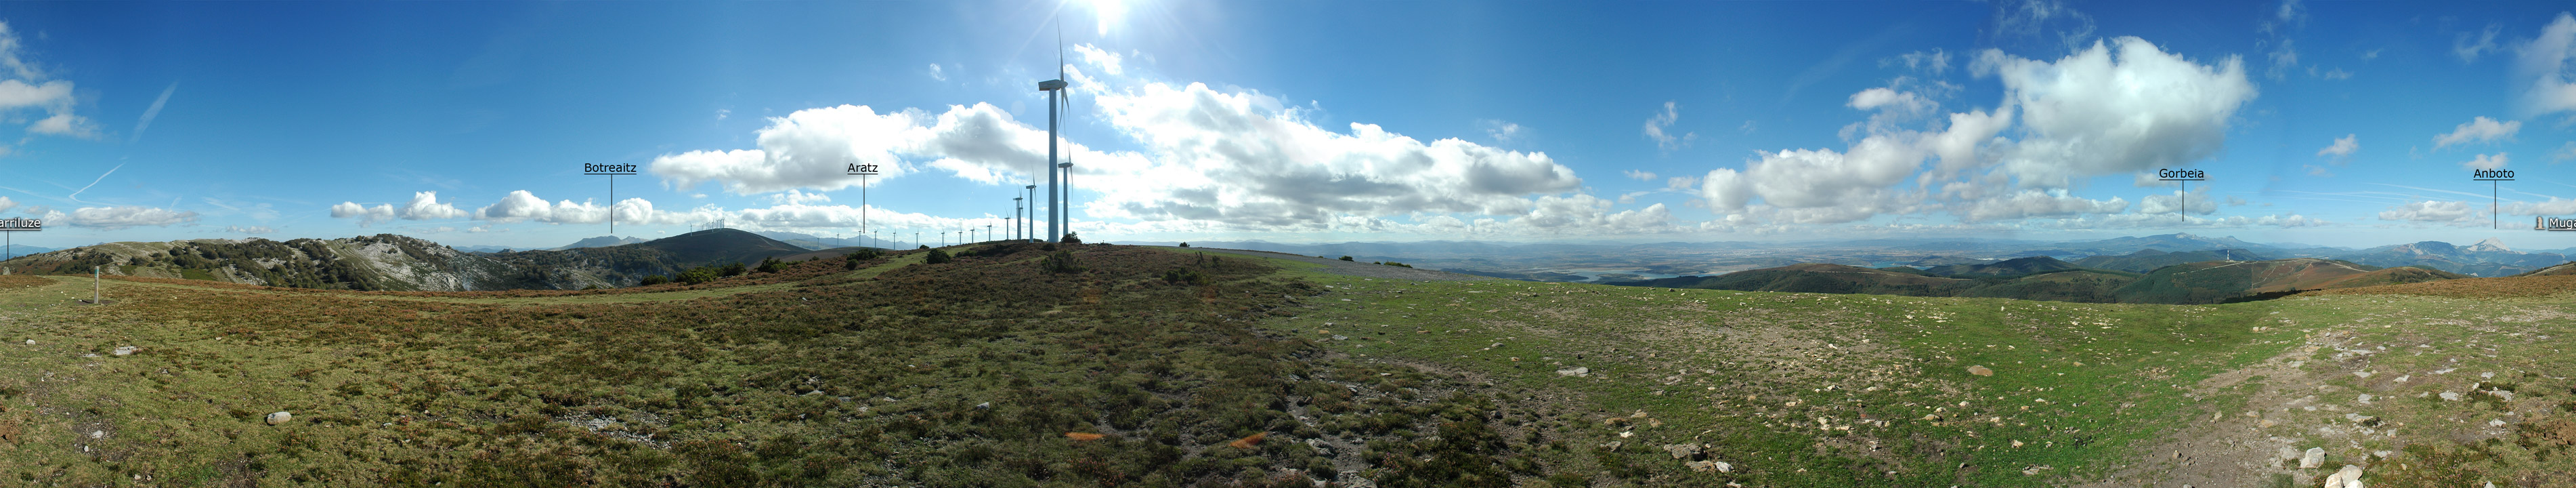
{"type": "Point", "coordinates": [2267, 423]}
{"type": "Point", "coordinates": [1341, 338]}
{"type": "Point", "coordinates": [1707, 466]}
{"type": "Point", "coordinates": [124, 350]}
{"type": "Point", "coordinates": [2017, 443]}
{"type": "Point", "coordinates": [2488, 375]}
{"type": "Point", "coordinates": [1980, 371]}
{"type": "Point", "coordinates": [98, 434]}
{"type": "Point", "coordinates": [2287, 453]}
{"type": "Point", "coordinates": [2364, 374]}
{"type": "Point", "coordinates": [31, 342]}
{"type": "Point", "coordinates": [2450, 396]}
{"type": "Point", "coordinates": [2500, 393]}
{"type": "Point", "coordinates": [1575, 371]}
{"type": "Point", "coordinates": [2348, 477]}
{"type": "Point", "coordinates": [280, 418]}
{"type": "Point", "coordinates": [1932, 417]}
{"type": "Point", "coordinates": [2496, 423]}
{"type": "Point", "coordinates": [2316, 458]}
{"type": "Point", "coordinates": [984, 406]}
{"type": "Point", "coordinates": [1682, 451]}
{"type": "Point", "coordinates": [2364, 398]}
{"type": "Point", "coordinates": [1496, 345]}
{"type": "Point", "coordinates": [2402, 379]}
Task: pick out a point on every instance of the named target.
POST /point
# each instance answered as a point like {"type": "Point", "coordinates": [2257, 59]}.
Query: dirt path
{"type": "Point", "coordinates": [1348, 268]}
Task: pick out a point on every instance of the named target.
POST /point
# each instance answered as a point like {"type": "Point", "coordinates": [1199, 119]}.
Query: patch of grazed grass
{"type": "Point", "coordinates": [1812, 390]}
{"type": "Point", "coordinates": [969, 373]}
{"type": "Point", "coordinates": [2479, 288]}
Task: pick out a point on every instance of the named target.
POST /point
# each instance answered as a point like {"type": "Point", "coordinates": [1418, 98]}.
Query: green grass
{"type": "Point", "coordinates": [972, 373]}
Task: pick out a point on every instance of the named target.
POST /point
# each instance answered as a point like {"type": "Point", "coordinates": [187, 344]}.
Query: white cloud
{"type": "Point", "coordinates": [2030, 18]}
{"type": "Point", "coordinates": [2481, 129]}
{"type": "Point", "coordinates": [2554, 206]}
{"type": "Point", "coordinates": [937, 73]}
{"type": "Point", "coordinates": [6, 204]}
{"type": "Point", "coordinates": [1503, 131]}
{"type": "Point", "coordinates": [2038, 204]}
{"type": "Point", "coordinates": [2095, 113]}
{"type": "Point", "coordinates": [1110, 63]}
{"type": "Point", "coordinates": [2566, 152]}
{"type": "Point", "coordinates": [1639, 175]}
{"type": "Point", "coordinates": [1656, 128]}
{"type": "Point", "coordinates": [521, 205]}
{"type": "Point", "coordinates": [366, 215]}
{"type": "Point", "coordinates": [2545, 65]}
{"type": "Point", "coordinates": [423, 206]}
{"type": "Point", "coordinates": [29, 90]}
{"type": "Point", "coordinates": [793, 197]}
{"type": "Point", "coordinates": [2284, 57]}
{"type": "Point", "coordinates": [2484, 42]}
{"type": "Point", "coordinates": [256, 229]}
{"type": "Point", "coordinates": [2485, 162]}
{"type": "Point", "coordinates": [2168, 203]}
{"type": "Point", "coordinates": [124, 216]}
{"type": "Point", "coordinates": [1933, 62]}
{"type": "Point", "coordinates": [2431, 211]}
{"type": "Point", "coordinates": [2342, 148]}
{"type": "Point", "coordinates": [1897, 105]}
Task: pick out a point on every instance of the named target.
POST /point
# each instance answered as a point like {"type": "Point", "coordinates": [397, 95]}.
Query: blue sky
{"type": "Point", "coordinates": [2341, 123]}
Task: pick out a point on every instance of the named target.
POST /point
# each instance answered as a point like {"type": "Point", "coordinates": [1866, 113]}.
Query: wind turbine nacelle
{"type": "Point", "coordinates": [1051, 85]}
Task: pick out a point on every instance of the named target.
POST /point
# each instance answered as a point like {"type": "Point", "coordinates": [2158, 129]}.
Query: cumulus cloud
{"type": "Point", "coordinates": [2120, 107]}
{"type": "Point", "coordinates": [2485, 162]}
{"type": "Point", "coordinates": [122, 217]}
{"type": "Point", "coordinates": [27, 89]}
{"type": "Point", "coordinates": [6, 204]}
{"type": "Point", "coordinates": [2480, 130]}
{"type": "Point", "coordinates": [1503, 131]}
{"type": "Point", "coordinates": [1657, 128]}
{"type": "Point", "coordinates": [256, 229]}
{"type": "Point", "coordinates": [2342, 148]}
{"type": "Point", "coordinates": [1639, 175]}
{"type": "Point", "coordinates": [2544, 66]}
{"type": "Point", "coordinates": [2169, 203]}
{"type": "Point", "coordinates": [937, 73]}
{"type": "Point", "coordinates": [2431, 211]}
{"type": "Point", "coordinates": [423, 206]}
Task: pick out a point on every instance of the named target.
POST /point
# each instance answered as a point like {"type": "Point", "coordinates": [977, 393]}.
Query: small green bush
{"type": "Point", "coordinates": [733, 269]}
{"type": "Point", "coordinates": [1348, 258]}
{"type": "Point", "coordinates": [937, 257]}
{"type": "Point", "coordinates": [1071, 238]}
{"type": "Point", "coordinates": [771, 265]}
{"type": "Point", "coordinates": [698, 275]}
{"type": "Point", "coordinates": [1392, 263]}
{"type": "Point", "coordinates": [1185, 244]}
{"type": "Point", "coordinates": [654, 280]}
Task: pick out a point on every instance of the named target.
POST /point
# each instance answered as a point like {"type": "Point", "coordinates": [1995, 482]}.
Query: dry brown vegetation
{"type": "Point", "coordinates": [2513, 287]}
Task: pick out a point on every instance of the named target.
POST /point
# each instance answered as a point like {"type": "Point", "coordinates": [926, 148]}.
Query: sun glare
{"type": "Point", "coordinates": [1108, 12]}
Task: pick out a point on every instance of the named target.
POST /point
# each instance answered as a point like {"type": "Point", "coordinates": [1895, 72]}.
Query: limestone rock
{"type": "Point", "coordinates": [1575, 371]}
{"type": "Point", "coordinates": [280, 417]}
{"type": "Point", "coordinates": [2316, 458]}
{"type": "Point", "coordinates": [2348, 477]}
{"type": "Point", "coordinates": [124, 350]}
{"type": "Point", "coordinates": [1980, 371]}
{"type": "Point", "coordinates": [1682, 451]}
{"type": "Point", "coordinates": [1707, 466]}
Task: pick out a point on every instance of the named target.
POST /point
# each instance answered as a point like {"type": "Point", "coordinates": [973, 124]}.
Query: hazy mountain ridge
{"type": "Point", "coordinates": [387, 262]}
{"type": "Point", "coordinates": [2485, 258]}
{"type": "Point", "coordinates": [2191, 283]}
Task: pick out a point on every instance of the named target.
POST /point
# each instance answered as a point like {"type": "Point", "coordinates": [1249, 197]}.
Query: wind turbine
{"type": "Point", "coordinates": [1056, 98]}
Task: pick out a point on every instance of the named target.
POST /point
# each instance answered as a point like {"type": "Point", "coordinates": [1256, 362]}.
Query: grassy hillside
{"type": "Point", "coordinates": [2148, 260]}
{"type": "Point", "coordinates": [1128, 366]}
{"type": "Point", "coordinates": [722, 246]}
{"type": "Point", "coordinates": [2009, 267]}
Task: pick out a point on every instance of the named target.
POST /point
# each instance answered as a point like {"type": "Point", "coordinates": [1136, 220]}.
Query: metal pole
{"type": "Point", "coordinates": [1054, 233]}
{"type": "Point", "coordinates": [93, 285]}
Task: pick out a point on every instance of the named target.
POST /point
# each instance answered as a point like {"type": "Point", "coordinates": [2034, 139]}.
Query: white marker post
{"type": "Point", "coordinates": [612, 170]}
{"type": "Point", "coordinates": [94, 286]}
{"type": "Point", "coordinates": [2495, 191]}
{"type": "Point", "coordinates": [863, 171]}
{"type": "Point", "coordinates": [2186, 176]}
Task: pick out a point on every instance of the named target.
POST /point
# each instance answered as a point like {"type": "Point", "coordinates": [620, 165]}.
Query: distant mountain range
{"type": "Point", "coordinates": [2485, 258]}
{"type": "Point", "coordinates": [2148, 260]}
{"type": "Point", "coordinates": [2189, 283]}
{"type": "Point", "coordinates": [393, 262]}
{"type": "Point", "coordinates": [601, 241]}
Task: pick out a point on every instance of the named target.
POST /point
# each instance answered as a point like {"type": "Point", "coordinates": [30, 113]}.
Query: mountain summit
{"type": "Point", "coordinates": [2489, 245]}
